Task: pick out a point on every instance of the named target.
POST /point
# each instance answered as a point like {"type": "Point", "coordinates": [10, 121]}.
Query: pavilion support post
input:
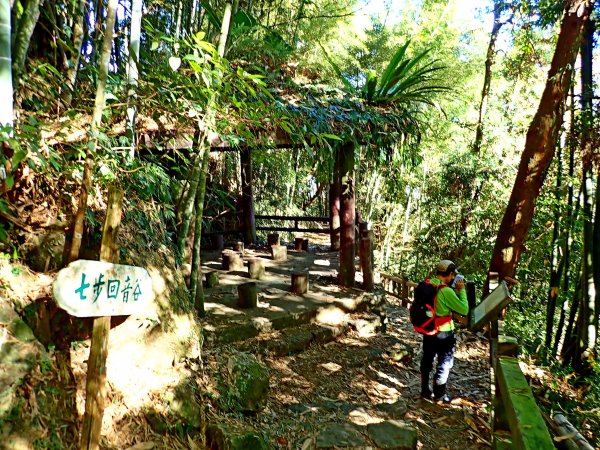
{"type": "Point", "coordinates": [247, 197]}
{"type": "Point", "coordinates": [334, 212]}
{"type": "Point", "coordinates": [366, 260]}
{"type": "Point", "coordinates": [345, 163]}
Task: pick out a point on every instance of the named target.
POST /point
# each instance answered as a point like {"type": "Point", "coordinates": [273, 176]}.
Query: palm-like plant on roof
{"type": "Point", "coordinates": [406, 80]}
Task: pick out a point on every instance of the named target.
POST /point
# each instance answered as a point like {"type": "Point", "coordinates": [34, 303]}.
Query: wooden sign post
{"type": "Point", "coordinates": [101, 289]}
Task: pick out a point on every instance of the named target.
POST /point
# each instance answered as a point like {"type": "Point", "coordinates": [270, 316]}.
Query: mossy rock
{"type": "Point", "coordinates": [184, 405]}
{"type": "Point", "coordinates": [21, 331]}
{"type": "Point", "coordinates": [157, 422]}
{"type": "Point", "coordinates": [247, 385]}
{"type": "Point", "coordinates": [222, 437]}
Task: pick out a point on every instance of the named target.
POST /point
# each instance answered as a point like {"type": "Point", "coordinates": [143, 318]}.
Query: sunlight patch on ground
{"type": "Point", "coordinates": [331, 367]}
{"type": "Point", "coordinates": [331, 316]}
{"type": "Point", "coordinates": [322, 262]}
{"type": "Point", "coordinates": [361, 417]}
{"type": "Point", "coordinates": [218, 309]}
{"type": "Point", "coordinates": [389, 378]}
{"type": "Point", "coordinates": [262, 323]}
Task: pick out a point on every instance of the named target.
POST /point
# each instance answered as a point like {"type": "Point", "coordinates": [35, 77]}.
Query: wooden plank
{"type": "Point", "coordinates": [490, 306]}
{"type": "Point", "coordinates": [391, 277]}
{"type": "Point", "coordinates": [507, 346]}
{"type": "Point", "coordinates": [527, 425]}
{"type": "Point", "coordinates": [291, 229]}
{"type": "Point", "coordinates": [323, 219]}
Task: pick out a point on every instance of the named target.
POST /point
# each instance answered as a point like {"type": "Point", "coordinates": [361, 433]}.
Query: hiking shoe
{"type": "Point", "coordinates": [426, 395]}
{"type": "Point", "coordinates": [443, 399]}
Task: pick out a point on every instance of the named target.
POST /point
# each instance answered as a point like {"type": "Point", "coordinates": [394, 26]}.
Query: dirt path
{"type": "Point", "coordinates": [362, 379]}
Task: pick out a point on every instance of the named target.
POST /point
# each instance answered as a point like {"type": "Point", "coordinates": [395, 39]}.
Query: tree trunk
{"type": "Point", "coordinates": [587, 320]}
{"type": "Point", "coordinates": [554, 273]}
{"type": "Point", "coordinates": [178, 16]}
{"type": "Point", "coordinates": [187, 208]}
{"type": "Point", "coordinates": [6, 82]}
{"type": "Point", "coordinates": [133, 72]}
{"type": "Point", "coordinates": [247, 197]}
{"type": "Point", "coordinates": [196, 195]}
{"type": "Point", "coordinates": [571, 334]}
{"type": "Point", "coordinates": [196, 288]}
{"type": "Point", "coordinates": [334, 206]}
{"type": "Point", "coordinates": [347, 213]}
{"type": "Point", "coordinates": [77, 227]}
{"type": "Point", "coordinates": [24, 31]}
{"type": "Point", "coordinates": [539, 145]}
{"type": "Point", "coordinates": [569, 222]}
{"type": "Point", "coordinates": [78, 34]}
{"type": "Point", "coordinates": [224, 29]}
{"type": "Point", "coordinates": [487, 79]}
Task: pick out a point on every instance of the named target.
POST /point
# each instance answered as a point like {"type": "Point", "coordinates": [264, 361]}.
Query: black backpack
{"type": "Point", "coordinates": [422, 310]}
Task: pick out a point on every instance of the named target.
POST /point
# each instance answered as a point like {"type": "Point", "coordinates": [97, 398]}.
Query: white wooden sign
{"type": "Point", "coordinates": [95, 288]}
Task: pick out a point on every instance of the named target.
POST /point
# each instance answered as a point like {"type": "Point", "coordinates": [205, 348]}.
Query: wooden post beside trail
{"type": "Point", "coordinates": [279, 252]}
{"type": "Point", "coordinates": [298, 243]}
{"type": "Point", "coordinates": [101, 289]}
{"type": "Point", "coordinates": [299, 283]}
{"type": "Point", "coordinates": [272, 239]}
{"type": "Point", "coordinates": [231, 260]}
{"type": "Point", "coordinates": [345, 162]}
{"type": "Point", "coordinates": [256, 268]}
{"type": "Point", "coordinates": [366, 260]}
{"type": "Point", "coordinates": [404, 291]}
{"type": "Point", "coordinates": [218, 242]}
{"type": "Point", "coordinates": [239, 247]}
{"type": "Point", "coordinates": [247, 296]}
{"type": "Point", "coordinates": [334, 213]}
{"type": "Point", "coordinates": [212, 279]}
{"type": "Point", "coordinates": [471, 295]}
{"type": "Point", "coordinates": [305, 244]}
{"type": "Point", "coordinates": [95, 390]}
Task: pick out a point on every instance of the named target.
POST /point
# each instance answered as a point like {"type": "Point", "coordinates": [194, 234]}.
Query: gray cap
{"type": "Point", "coordinates": [446, 265]}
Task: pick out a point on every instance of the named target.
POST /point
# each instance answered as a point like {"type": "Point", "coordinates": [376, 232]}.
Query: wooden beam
{"type": "Point", "coordinates": [292, 229]}
{"type": "Point", "coordinates": [322, 219]}
{"type": "Point", "coordinates": [527, 425]}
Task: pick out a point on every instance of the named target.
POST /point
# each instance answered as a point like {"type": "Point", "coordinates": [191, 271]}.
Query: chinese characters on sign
{"type": "Point", "coordinates": [113, 289]}
{"type": "Point", "coordinates": [95, 288]}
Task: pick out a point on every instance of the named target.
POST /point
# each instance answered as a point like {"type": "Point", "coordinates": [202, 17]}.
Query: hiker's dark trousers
{"type": "Point", "coordinates": [442, 346]}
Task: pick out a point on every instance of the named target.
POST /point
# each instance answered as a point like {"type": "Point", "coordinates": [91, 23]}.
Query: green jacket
{"type": "Point", "coordinates": [448, 301]}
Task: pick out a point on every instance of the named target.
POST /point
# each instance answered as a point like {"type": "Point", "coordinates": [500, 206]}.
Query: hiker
{"type": "Point", "coordinates": [442, 343]}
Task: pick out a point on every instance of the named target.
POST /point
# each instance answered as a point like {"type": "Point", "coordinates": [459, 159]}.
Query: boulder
{"type": "Point", "coordinates": [393, 435]}
{"type": "Point", "coordinates": [223, 437]}
{"type": "Point", "coordinates": [247, 383]}
{"type": "Point", "coordinates": [340, 435]}
{"type": "Point", "coordinates": [20, 352]}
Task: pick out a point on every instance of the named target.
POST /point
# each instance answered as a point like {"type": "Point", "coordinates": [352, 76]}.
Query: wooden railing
{"type": "Point", "coordinates": [398, 287]}
{"type": "Point", "coordinates": [296, 219]}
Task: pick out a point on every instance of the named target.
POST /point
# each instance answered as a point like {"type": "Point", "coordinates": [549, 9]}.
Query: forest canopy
{"type": "Point", "coordinates": [473, 127]}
